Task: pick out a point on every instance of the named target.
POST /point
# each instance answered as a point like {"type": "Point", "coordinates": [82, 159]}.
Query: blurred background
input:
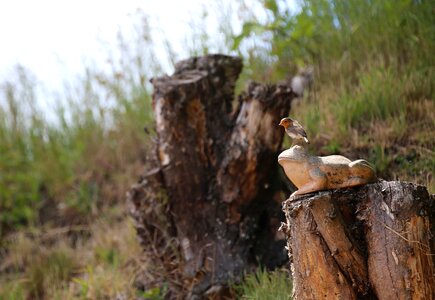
{"type": "Point", "coordinates": [75, 99]}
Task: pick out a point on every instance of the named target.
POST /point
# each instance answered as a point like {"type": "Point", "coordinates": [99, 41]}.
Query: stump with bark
{"type": "Point", "coordinates": [208, 206]}
{"type": "Point", "coordinates": [371, 242]}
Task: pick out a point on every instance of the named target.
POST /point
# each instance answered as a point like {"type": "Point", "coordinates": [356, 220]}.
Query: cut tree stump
{"type": "Point", "coordinates": [371, 242]}
{"type": "Point", "coordinates": [208, 207]}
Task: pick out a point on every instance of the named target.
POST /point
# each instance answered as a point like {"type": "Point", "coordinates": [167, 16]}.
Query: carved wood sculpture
{"type": "Point", "coordinates": [370, 242]}
{"type": "Point", "coordinates": [373, 242]}
{"type": "Point", "coordinates": [205, 209]}
{"type": "Point", "coordinates": [310, 173]}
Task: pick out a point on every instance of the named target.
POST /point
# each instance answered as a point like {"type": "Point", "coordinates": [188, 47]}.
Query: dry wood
{"type": "Point", "coordinates": [370, 242]}
{"type": "Point", "coordinates": [207, 212]}
{"type": "Point", "coordinates": [399, 222]}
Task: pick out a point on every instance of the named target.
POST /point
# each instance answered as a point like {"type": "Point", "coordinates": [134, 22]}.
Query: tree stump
{"type": "Point", "coordinates": [370, 242]}
{"type": "Point", "coordinates": [208, 206]}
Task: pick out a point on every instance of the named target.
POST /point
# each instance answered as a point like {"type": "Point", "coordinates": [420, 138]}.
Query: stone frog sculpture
{"type": "Point", "coordinates": [311, 173]}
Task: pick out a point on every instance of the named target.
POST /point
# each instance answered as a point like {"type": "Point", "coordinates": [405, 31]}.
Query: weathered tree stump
{"type": "Point", "coordinates": [370, 242]}
{"type": "Point", "coordinates": [206, 210]}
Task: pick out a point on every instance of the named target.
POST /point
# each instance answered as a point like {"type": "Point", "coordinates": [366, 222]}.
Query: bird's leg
{"type": "Point", "coordinates": [298, 142]}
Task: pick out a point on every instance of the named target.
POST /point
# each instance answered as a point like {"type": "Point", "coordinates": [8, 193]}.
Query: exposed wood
{"type": "Point", "coordinates": [344, 249]}
{"type": "Point", "coordinates": [399, 221]}
{"type": "Point", "coordinates": [207, 212]}
{"type": "Point", "coordinates": [325, 262]}
{"type": "Point", "coordinates": [369, 242]}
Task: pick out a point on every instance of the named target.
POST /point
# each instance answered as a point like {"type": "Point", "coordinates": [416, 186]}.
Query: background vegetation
{"type": "Point", "coordinates": [64, 231]}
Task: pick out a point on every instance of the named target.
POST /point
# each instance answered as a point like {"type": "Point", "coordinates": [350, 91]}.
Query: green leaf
{"type": "Point", "coordinates": [248, 29]}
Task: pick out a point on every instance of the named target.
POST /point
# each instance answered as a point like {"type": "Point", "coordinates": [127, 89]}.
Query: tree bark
{"type": "Point", "coordinates": [370, 242]}
{"type": "Point", "coordinates": [208, 207]}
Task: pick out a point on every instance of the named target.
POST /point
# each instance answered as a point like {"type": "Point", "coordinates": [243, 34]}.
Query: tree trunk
{"type": "Point", "coordinates": [208, 207]}
{"type": "Point", "coordinates": [370, 242]}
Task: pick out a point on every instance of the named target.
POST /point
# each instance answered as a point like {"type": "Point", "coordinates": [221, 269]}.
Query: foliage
{"type": "Point", "coordinates": [79, 157]}
{"type": "Point", "coordinates": [46, 264]}
{"type": "Point", "coordinates": [374, 74]}
{"type": "Point", "coordinates": [340, 38]}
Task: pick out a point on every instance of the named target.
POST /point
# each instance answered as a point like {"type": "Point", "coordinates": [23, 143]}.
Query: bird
{"type": "Point", "coordinates": [302, 81]}
{"type": "Point", "coordinates": [294, 129]}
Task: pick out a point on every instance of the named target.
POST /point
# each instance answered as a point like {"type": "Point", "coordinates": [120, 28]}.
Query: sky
{"type": "Point", "coordinates": [52, 38]}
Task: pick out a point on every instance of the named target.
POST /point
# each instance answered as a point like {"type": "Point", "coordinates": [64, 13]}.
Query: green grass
{"type": "Point", "coordinates": [73, 162]}
{"type": "Point", "coordinates": [63, 178]}
{"type": "Point", "coordinates": [266, 285]}
{"type": "Point", "coordinates": [101, 262]}
{"type": "Point", "coordinates": [49, 271]}
{"type": "Point", "coordinates": [373, 92]}
{"type": "Point", "coordinates": [13, 290]}
{"type": "Point", "coordinates": [377, 97]}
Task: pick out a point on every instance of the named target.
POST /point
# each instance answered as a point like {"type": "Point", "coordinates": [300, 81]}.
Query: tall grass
{"type": "Point", "coordinates": [374, 70]}
{"type": "Point", "coordinates": [69, 163]}
{"type": "Point", "coordinates": [64, 171]}
{"type": "Point", "coordinates": [378, 96]}
{"type": "Point", "coordinates": [342, 40]}
{"type": "Point", "coordinates": [80, 156]}
{"type": "Point", "coordinates": [266, 285]}
{"type": "Point", "coordinates": [47, 264]}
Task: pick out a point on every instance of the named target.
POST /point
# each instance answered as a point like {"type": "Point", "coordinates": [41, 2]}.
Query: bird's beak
{"type": "Point", "coordinates": [280, 123]}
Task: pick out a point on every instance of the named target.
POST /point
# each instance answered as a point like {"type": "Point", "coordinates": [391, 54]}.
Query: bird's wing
{"type": "Point", "coordinates": [299, 129]}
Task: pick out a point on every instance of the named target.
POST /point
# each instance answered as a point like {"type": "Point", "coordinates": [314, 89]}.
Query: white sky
{"type": "Point", "coordinates": [52, 37]}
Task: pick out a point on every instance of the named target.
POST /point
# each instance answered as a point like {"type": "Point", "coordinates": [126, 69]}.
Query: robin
{"type": "Point", "coordinates": [294, 129]}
